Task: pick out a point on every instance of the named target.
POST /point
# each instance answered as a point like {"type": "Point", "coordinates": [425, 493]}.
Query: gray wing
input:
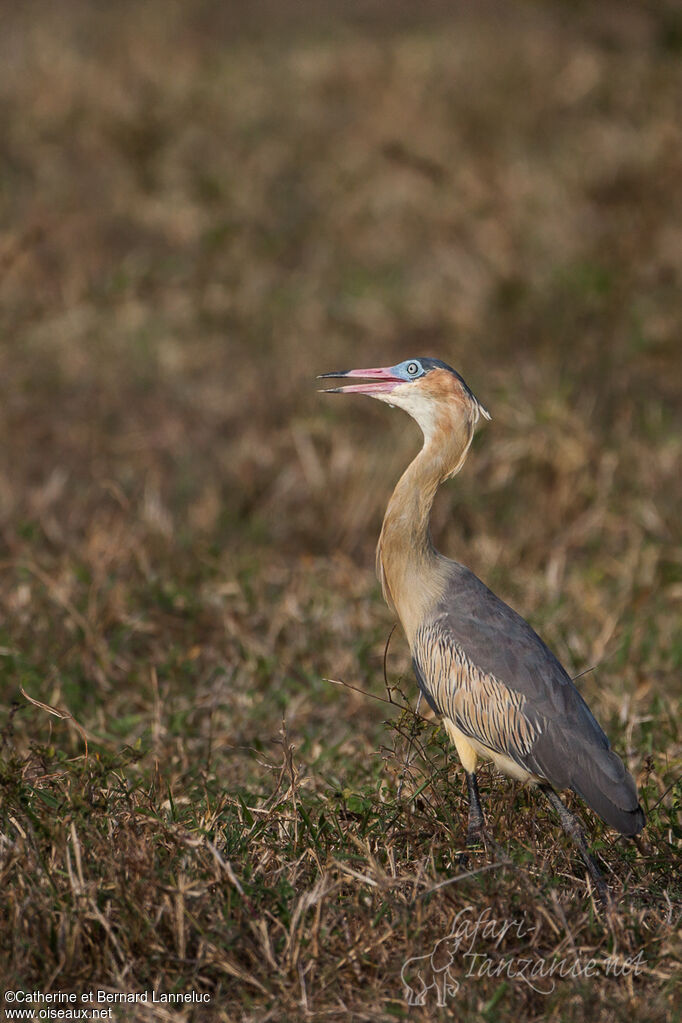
{"type": "Point", "coordinates": [481, 665]}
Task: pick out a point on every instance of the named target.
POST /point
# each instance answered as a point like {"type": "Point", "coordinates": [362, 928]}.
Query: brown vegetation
{"type": "Point", "coordinates": [199, 212]}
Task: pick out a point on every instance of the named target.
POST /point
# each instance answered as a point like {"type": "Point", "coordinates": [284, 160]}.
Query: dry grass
{"type": "Point", "coordinates": [198, 213]}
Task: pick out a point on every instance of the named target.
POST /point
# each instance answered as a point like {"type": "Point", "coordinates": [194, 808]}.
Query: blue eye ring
{"type": "Point", "coordinates": [413, 369]}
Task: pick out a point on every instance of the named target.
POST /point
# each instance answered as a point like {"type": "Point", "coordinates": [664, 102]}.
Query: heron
{"type": "Point", "coordinates": [500, 692]}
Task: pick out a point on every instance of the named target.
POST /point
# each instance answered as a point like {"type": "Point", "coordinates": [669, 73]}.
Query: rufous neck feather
{"type": "Point", "coordinates": [410, 569]}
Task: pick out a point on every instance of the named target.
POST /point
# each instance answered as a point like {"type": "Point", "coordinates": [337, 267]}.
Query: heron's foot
{"type": "Point", "coordinates": [476, 839]}
{"type": "Point", "coordinates": [475, 833]}
{"type": "Point", "coordinates": [598, 881]}
{"type": "Point", "coordinates": [572, 828]}
{"type": "Point", "coordinates": [477, 836]}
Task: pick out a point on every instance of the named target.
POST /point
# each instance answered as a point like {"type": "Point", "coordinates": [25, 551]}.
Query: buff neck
{"type": "Point", "coordinates": [411, 571]}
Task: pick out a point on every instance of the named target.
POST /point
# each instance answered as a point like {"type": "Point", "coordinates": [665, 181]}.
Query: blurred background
{"type": "Point", "coordinates": [203, 205]}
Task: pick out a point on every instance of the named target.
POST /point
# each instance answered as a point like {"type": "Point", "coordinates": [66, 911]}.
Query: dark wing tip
{"type": "Point", "coordinates": [637, 823]}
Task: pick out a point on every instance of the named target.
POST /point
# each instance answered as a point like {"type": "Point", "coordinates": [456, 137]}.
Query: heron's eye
{"type": "Point", "coordinates": [413, 368]}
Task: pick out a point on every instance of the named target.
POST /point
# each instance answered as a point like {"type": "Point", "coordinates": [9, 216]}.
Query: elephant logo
{"type": "Point", "coordinates": [431, 973]}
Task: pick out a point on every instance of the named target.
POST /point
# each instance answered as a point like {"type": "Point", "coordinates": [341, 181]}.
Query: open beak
{"type": "Point", "coordinates": [383, 381]}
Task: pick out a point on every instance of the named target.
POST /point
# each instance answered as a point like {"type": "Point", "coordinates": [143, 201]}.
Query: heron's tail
{"type": "Point", "coordinates": [609, 789]}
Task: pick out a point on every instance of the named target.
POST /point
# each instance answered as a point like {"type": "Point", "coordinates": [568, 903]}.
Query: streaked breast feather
{"type": "Point", "coordinates": [482, 706]}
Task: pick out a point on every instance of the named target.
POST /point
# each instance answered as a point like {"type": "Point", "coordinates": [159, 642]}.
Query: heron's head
{"type": "Point", "coordinates": [432, 392]}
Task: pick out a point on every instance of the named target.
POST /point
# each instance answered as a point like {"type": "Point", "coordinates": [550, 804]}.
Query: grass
{"type": "Point", "coordinates": [200, 210]}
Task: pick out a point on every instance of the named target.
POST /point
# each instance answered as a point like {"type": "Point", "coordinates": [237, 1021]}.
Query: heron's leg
{"type": "Point", "coordinates": [468, 757]}
{"type": "Point", "coordinates": [572, 828]}
{"type": "Point", "coordinates": [476, 821]}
